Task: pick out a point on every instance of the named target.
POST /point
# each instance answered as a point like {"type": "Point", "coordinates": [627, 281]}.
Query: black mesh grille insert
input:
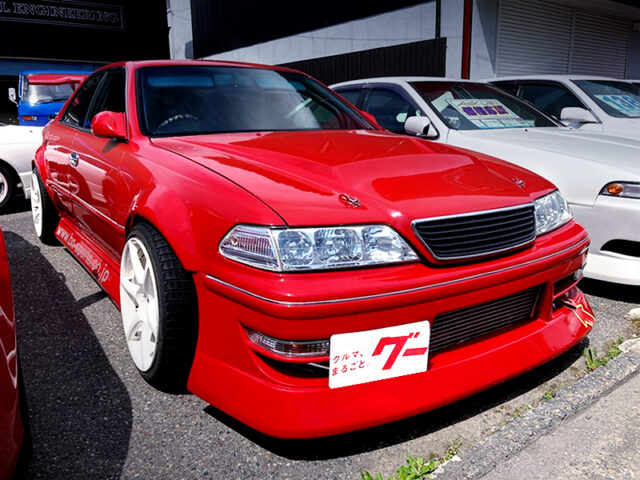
{"type": "Point", "coordinates": [480, 234]}
{"type": "Point", "coordinates": [471, 322]}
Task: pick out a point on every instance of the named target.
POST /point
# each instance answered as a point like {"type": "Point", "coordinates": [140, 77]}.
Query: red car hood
{"type": "Point", "coordinates": [301, 175]}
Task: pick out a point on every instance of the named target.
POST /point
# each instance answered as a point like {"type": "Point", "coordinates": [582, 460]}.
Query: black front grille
{"type": "Point", "coordinates": [478, 234]}
{"type": "Point", "coordinates": [467, 323]}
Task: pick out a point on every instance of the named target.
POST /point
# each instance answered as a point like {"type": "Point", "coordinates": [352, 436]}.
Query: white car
{"type": "Point", "coordinates": [595, 104]}
{"type": "Point", "coordinates": [17, 146]}
{"type": "Point", "coordinates": [598, 174]}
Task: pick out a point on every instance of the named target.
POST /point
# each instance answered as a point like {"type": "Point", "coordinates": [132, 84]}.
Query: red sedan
{"type": "Point", "coordinates": [291, 263]}
{"type": "Point", "coordinates": [11, 427]}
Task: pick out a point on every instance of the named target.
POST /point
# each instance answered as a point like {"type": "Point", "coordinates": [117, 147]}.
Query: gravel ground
{"type": "Point", "coordinates": [92, 415]}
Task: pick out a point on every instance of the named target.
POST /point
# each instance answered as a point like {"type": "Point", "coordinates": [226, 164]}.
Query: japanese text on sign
{"type": "Point", "coordinates": [371, 355]}
{"type": "Point", "coordinates": [488, 113]}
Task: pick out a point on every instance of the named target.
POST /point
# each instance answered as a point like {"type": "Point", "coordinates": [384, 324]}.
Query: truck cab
{"type": "Point", "coordinates": [41, 94]}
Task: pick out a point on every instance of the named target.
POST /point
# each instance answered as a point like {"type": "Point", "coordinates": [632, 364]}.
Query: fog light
{"type": "Point", "coordinates": [29, 118]}
{"type": "Point", "coordinates": [289, 348]}
{"type": "Point", "coordinates": [578, 274]}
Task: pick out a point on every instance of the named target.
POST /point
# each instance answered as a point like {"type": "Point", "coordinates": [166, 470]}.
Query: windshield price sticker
{"type": "Point", "coordinates": [627, 104]}
{"type": "Point", "coordinates": [488, 113]}
{"type": "Point", "coordinates": [371, 355]}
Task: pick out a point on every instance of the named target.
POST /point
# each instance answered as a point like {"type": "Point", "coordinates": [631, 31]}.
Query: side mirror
{"type": "Point", "coordinates": [577, 115]}
{"type": "Point", "coordinates": [420, 126]}
{"type": "Point", "coordinates": [371, 118]}
{"type": "Point", "coordinates": [109, 125]}
{"type": "Point", "coordinates": [12, 95]}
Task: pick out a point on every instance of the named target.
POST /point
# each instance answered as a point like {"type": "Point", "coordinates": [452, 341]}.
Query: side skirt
{"type": "Point", "coordinates": [99, 265]}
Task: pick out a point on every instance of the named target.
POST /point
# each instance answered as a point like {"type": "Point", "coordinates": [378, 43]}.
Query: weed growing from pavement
{"type": "Point", "coordinates": [518, 412]}
{"type": "Point", "coordinates": [549, 394]}
{"type": "Point", "coordinates": [417, 468]}
{"type": "Point", "coordinates": [593, 360]}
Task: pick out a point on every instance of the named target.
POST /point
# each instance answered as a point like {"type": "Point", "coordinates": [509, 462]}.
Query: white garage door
{"type": "Point", "coordinates": [536, 37]}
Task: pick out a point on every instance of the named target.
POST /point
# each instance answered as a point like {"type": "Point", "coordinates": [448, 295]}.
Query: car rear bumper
{"type": "Point", "coordinates": [230, 374]}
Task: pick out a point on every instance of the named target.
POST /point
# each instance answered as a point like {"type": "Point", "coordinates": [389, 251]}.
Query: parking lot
{"type": "Point", "coordinates": [93, 416]}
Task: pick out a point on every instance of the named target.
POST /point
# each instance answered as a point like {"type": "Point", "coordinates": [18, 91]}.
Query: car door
{"type": "Point", "coordinates": [59, 137]}
{"type": "Point", "coordinates": [390, 107]}
{"type": "Point", "coordinates": [94, 177]}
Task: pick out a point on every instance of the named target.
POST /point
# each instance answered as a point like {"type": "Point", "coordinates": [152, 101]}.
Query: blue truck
{"type": "Point", "coordinates": [41, 94]}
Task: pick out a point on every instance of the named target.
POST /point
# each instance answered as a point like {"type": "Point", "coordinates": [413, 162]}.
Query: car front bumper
{"type": "Point", "coordinates": [230, 374]}
{"type": "Point", "coordinates": [611, 219]}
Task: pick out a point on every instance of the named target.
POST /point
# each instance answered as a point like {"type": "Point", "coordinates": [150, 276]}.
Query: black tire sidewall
{"type": "Point", "coordinates": [50, 217]}
{"type": "Point", "coordinates": [169, 370]}
{"type": "Point", "coordinates": [140, 235]}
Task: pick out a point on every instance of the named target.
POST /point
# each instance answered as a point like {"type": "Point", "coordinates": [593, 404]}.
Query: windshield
{"type": "Point", "coordinates": [193, 100]}
{"type": "Point", "coordinates": [477, 106]}
{"type": "Point", "coordinates": [37, 94]}
{"type": "Point", "coordinates": [618, 99]}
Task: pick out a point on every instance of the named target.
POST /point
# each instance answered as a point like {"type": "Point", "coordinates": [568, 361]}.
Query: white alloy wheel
{"type": "Point", "coordinates": [139, 303]}
{"type": "Point", "coordinates": [36, 203]}
{"type": "Point", "coordinates": [4, 187]}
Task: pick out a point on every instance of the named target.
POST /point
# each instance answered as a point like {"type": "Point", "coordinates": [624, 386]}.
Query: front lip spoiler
{"type": "Point", "coordinates": [584, 240]}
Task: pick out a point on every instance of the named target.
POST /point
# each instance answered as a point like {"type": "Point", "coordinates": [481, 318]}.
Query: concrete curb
{"type": "Point", "coordinates": [483, 457]}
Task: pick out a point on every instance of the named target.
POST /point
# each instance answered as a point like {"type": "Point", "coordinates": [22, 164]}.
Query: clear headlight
{"type": "Point", "coordinates": [621, 189]}
{"type": "Point", "coordinates": [292, 249]}
{"type": "Point", "coordinates": [552, 212]}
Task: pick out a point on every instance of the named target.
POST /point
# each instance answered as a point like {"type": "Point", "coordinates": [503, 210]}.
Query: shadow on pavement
{"type": "Point", "coordinates": [612, 291]}
{"type": "Point", "coordinates": [79, 409]}
{"type": "Point", "coordinates": [408, 429]}
{"type": "Point", "coordinates": [19, 204]}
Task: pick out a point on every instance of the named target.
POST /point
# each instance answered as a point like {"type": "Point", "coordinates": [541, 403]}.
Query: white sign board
{"type": "Point", "coordinates": [488, 113]}
{"type": "Point", "coordinates": [372, 355]}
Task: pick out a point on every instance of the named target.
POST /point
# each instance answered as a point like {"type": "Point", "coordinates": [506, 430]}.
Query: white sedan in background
{"type": "Point", "coordinates": [17, 145]}
{"type": "Point", "coordinates": [595, 104]}
{"type": "Point", "coordinates": [598, 174]}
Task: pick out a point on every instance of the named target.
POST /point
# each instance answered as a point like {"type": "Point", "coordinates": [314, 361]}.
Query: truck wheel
{"type": "Point", "coordinates": [44, 213]}
{"type": "Point", "coordinates": [159, 309]}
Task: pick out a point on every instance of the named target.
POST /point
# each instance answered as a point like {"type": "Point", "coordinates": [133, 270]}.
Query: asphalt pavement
{"type": "Point", "coordinates": [93, 416]}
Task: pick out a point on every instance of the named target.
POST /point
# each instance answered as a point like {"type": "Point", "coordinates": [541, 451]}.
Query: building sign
{"type": "Point", "coordinates": [64, 12]}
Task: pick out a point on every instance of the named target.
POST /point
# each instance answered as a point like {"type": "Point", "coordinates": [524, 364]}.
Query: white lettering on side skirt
{"type": "Point", "coordinates": [84, 254]}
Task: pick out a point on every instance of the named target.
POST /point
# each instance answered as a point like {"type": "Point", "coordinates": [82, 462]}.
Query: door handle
{"type": "Point", "coordinates": [73, 159]}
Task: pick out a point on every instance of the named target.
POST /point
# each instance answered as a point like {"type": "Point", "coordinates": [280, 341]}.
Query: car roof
{"type": "Point", "coordinates": [206, 63]}
{"type": "Point", "coordinates": [400, 80]}
{"type": "Point", "coordinates": [555, 77]}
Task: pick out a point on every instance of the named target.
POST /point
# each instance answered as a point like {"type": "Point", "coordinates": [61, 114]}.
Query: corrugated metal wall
{"type": "Point", "coordinates": [536, 37]}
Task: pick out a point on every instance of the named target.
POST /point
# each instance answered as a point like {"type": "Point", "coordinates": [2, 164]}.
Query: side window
{"type": "Point", "coordinates": [350, 95]}
{"type": "Point", "coordinates": [110, 95]}
{"type": "Point", "coordinates": [390, 108]}
{"type": "Point", "coordinates": [77, 110]}
{"type": "Point", "coordinates": [549, 98]}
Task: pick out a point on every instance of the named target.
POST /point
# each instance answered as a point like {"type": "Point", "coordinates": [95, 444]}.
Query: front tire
{"type": "Point", "coordinates": [43, 212]}
{"type": "Point", "coordinates": [159, 309]}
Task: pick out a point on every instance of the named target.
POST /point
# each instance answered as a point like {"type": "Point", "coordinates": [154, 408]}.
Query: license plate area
{"type": "Point", "coordinates": [373, 355]}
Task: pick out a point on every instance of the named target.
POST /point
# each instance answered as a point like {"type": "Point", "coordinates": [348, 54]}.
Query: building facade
{"type": "Point", "coordinates": [455, 38]}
